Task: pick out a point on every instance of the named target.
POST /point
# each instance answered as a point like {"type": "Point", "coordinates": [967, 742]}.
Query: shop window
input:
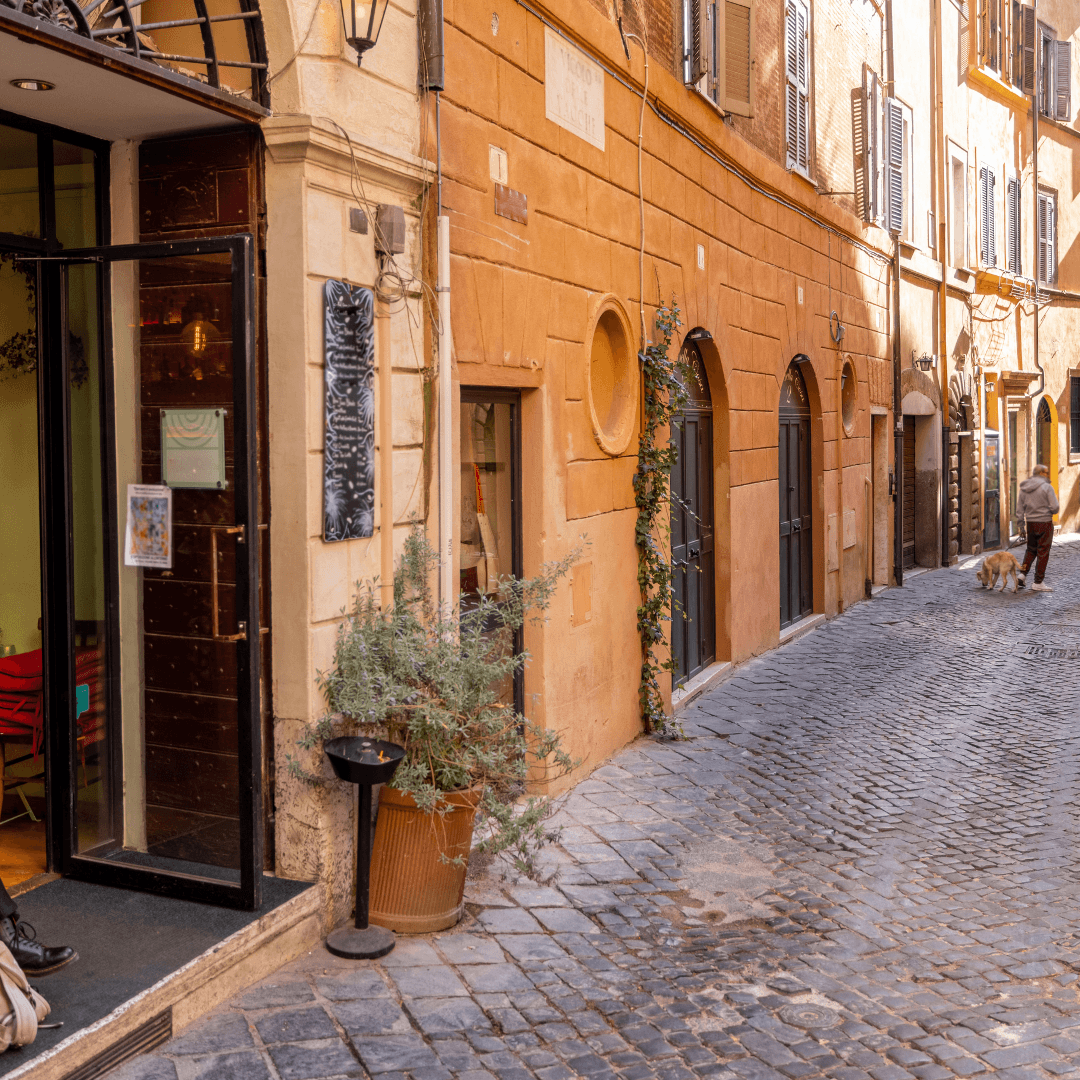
{"type": "Point", "coordinates": [612, 376]}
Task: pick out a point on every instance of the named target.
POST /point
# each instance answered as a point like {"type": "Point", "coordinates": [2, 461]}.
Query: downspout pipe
{"type": "Point", "coordinates": [898, 419]}
{"type": "Point", "coordinates": [447, 560]}
{"type": "Point", "coordinates": [1035, 219]}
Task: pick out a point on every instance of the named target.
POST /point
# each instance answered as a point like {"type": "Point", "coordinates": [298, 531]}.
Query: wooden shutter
{"type": "Point", "coordinates": [1028, 38]}
{"type": "Point", "coordinates": [1074, 415]}
{"type": "Point", "coordinates": [990, 34]}
{"type": "Point", "coordinates": [735, 55]}
{"type": "Point", "coordinates": [991, 217]}
{"type": "Point", "coordinates": [984, 224]}
{"type": "Point", "coordinates": [1063, 81]}
{"type": "Point", "coordinates": [1047, 263]}
{"type": "Point", "coordinates": [791, 83]}
{"type": "Point", "coordinates": [872, 143]}
{"type": "Point", "coordinates": [699, 40]}
{"type": "Point", "coordinates": [894, 166]}
{"type": "Point", "coordinates": [1012, 225]}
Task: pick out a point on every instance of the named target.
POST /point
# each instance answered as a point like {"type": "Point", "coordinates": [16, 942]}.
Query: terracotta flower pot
{"type": "Point", "coordinates": [413, 891]}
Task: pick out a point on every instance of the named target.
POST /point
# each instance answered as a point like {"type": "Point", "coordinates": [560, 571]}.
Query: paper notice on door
{"type": "Point", "coordinates": [148, 536]}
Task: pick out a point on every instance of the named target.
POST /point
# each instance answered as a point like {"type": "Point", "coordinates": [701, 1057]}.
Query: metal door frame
{"type": "Point", "coordinates": [58, 603]}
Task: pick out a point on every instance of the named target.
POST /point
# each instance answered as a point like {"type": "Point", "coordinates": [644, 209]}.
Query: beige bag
{"type": "Point", "coordinates": [21, 1008]}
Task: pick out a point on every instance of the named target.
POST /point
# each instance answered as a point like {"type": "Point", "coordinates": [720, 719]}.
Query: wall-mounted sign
{"type": "Point", "coordinates": [193, 448]}
{"type": "Point", "coordinates": [349, 443]}
{"type": "Point", "coordinates": [511, 204]}
{"type": "Point", "coordinates": [573, 89]}
{"type": "Point", "coordinates": [148, 535]}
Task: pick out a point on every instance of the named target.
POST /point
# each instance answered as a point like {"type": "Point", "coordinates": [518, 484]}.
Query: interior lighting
{"type": "Point", "coordinates": [363, 20]}
{"type": "Point", "coordinates": [32, 84]}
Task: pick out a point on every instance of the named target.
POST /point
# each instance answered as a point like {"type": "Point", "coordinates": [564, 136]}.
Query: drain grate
{"type": "Point", "coordinates": [156, 1030]}
{"type": "Point", "coordinates": [1035, 651]}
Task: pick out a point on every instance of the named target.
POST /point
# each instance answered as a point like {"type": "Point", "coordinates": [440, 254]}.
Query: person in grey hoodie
{"type": "Point", "coordinates": [1037, 504]}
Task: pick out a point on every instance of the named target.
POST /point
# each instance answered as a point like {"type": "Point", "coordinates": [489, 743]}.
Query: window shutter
{"type": "Point", "coordinates": [894, 166]}
{"type": "Point", "coordinates": [1063, 81]}
{"type": "Point", "coordinates": [984, 30]}
{"type": "Point", "coordinates": [1012, 225]}
{"type": "Point", "coordinates": [872, 142]}
{"type": "Point", "coordinates": [1028, 35]}
{"type": "Point", "coordinates": [991, 217]}
{"type": "Point", "coordinates": [984, 222]}
{"type": "Point", "coordinates": [734, 54]}
{"type": "Point", "coordinates": [1074, 415]}
{"type": "Point", "coordinates": [791, 69]}
{"type": "Point", "coordinates": [1051, 238]}
{"type": "Point", "coordinates": [699, 41]}
{"type": "Point", "coordinates": [1045, 241]}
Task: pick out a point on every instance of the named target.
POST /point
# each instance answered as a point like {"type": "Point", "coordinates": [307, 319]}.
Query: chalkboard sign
{"type": "Point", "coordinates": [349, 456]}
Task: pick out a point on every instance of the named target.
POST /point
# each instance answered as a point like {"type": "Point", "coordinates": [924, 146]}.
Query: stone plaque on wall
{"type": "Point", "coordinates": [349, 446]}
{"type": "Point", "coordinates": [573, 89]}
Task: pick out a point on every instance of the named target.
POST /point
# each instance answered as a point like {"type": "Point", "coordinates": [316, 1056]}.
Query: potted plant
{"type": "Point", "coordinates": [429, 679]}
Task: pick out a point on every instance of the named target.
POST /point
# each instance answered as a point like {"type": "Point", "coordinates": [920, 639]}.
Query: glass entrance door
{"type": "Point", "coordinates": [156, 774]}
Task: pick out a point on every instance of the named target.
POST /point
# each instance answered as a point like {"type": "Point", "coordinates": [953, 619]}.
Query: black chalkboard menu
{"type": "Point", "coordinates": [349, 454]}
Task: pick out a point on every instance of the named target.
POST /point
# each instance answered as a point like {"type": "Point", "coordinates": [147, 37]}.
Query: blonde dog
{"type": "Point", "coordinates": [1000, 565]}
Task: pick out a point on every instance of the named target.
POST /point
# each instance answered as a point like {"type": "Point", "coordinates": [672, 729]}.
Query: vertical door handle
{"type": "Point", "coordinates": [227, 530]}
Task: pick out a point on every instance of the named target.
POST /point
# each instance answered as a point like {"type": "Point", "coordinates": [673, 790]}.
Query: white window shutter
{"type": "Point", "coordinates": [894, 166]}
{"type": "Point", "coordinates": [872, 142]}
{"type": "Point", "coordinates": [699, 42]}
{"type": "Point", "coordinates": [1051, 237]}
{"type": "Point", "coordinates": [984, 224]}
{"type": "Point", "coordinates": [1043, 262]}
{"type": "Point", "coordinates": [1012, 225]}
{"type": "Point", "coordinates": [1063, 81]}
{"type": "Point", "coordinates": [804, 87]}
{"type": "Point", "coordinates": [1028, 38]}
{"type": "Point", "coordinates": [991, 218]}
{"type": "Point", "coordinates": [735, 55]}
{"type": "Point", "coordinates": [791, 80]}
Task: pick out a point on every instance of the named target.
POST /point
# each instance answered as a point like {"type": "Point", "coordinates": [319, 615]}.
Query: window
{"type": "Point", "coordinates": [990, 34]}
{"type": "Point", "coordinates": [1055, 75]}
{"type": "Point", "coordinates": [718, 58]}
{"type": "Point", "coordinates": [797, 88]}
{"type": "Point", "coordinates": [1047, 238]}
{"type": "Point", "coordinates": [958, 208]}
{"type": "Point", "coordinates": [873, 143]}
{"type": "Point", "coordinates": [1012, 226]}
{"type": "Point", "coordinates": [1074, 414]}
{"type": "Point", "coordinates": [987, 217]}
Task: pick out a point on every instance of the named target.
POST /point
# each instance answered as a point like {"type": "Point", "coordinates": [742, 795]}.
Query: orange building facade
{"type": "Point", "coordinates": [559, 261]}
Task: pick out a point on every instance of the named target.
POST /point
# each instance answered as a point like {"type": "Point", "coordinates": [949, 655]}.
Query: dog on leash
{"type": "Point", "coordinates": [1000, 565]}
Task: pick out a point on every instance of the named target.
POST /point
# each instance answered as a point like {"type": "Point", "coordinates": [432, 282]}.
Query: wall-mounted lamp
{"type": "Point", "coordinates": [700, 334]}
{"type": "Point", "coordinates": [837, 329]}
{"type": "Point", "coordinates": [32, 84]}
{"type": "Point", "coordinates": [365, 18]}
{"type": "Point", "coordinates": [926, 362]}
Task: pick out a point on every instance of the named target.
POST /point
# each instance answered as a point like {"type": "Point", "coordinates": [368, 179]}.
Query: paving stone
{"type": "Point", "coordinates": [224, 1031]}
{"type": "Point", "coordinates": [314, 1059]}
{"type": "Point", "coordinates": [395, 1052]}
{"type": "Point", "coordinates": [470, 948]}
{"type": "Point", "coordinates": [293, 1025]}
{"type": "Point", "coordinates": [358, 984]}
{"type": "Point", "coordinates": [373, 1017]}
{"type": "Point", "coordinates": [266, 995]}
{"type": "Point", "coordinates": [436, 1016]}
{"type": "Point", "coordinates": [433, 981]}
{"type": "Point", "coordinates": [246, 1065]}
{"type": "Point", "coordinates": [491, 978]}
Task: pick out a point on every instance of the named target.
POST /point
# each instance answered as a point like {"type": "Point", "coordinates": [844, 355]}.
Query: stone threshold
{"type": "Point", "coordinates": [182, 997]}
{"type": "Point", "coordinates": [803, 626]}
{"type": "Point", "coordinates": [699, 684]}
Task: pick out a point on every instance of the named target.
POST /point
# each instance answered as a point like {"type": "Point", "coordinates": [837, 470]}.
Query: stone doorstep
{"type": "Point", "coordinates": [803, 626]}
{"type": "Point", "coordinates": [224, 970]}
{"type": "Point", "coordinates": [703, 681]}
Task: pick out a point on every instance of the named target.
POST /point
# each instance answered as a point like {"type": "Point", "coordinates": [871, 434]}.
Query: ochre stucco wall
{"type": "Point", "coordinates": [522, 299]}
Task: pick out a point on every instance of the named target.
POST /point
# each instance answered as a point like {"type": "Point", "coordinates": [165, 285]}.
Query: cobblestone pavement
{"type": "Point", "coordinates": [862, 864]}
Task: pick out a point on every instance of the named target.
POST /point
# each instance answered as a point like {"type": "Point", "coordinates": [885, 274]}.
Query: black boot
{"type": "Point", "coordinates": [33, 957]}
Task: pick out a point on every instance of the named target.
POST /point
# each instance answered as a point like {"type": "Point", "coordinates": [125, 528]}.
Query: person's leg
{"type": "Point", "coordinates": [1032, 551]}
{"type": "Point", "coordinates": [1045, 536]}
{"type": "Point", "coordinates": [8, 910]}
{"type": "Point", "coordinates": [33, 957]}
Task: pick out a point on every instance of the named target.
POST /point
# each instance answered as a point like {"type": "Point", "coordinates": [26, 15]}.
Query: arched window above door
{"type": "Point", "coordinates": [794, 399]}
{"type": "Point", "coordinates": [697, 381]}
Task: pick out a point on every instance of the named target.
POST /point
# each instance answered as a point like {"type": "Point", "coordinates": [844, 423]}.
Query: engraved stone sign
{"type": "Point", "coordinates": [573, 89]}
{"type": "Point", "coordinates": [349, 446]}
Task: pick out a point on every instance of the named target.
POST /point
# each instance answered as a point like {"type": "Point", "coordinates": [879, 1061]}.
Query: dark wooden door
{"type": "Point", "coordinates": [909, 492]}
{"type": "Point", "coordinates": [796, 519]}
{"type": "Point", "coordinates": [693, 558]}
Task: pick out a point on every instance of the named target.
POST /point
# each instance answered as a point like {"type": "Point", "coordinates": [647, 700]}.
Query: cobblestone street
{"type": "Point", "coordinates": [863, 863]}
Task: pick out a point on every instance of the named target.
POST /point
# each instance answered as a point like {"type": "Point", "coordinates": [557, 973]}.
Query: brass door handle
{"type": "Point", "coordinates": [228, 530]}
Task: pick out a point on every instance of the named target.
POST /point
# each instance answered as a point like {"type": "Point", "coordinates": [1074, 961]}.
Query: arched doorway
{"type": "Point", "coordinates": [796, 537]}
{"type": "Point", "coordinates": [693, 557]}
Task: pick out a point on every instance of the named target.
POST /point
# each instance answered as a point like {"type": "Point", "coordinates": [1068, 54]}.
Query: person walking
{"type": "Point", "coordinates": [1036, 505]}
{"type": "Point", "coordinates": [33, 957]}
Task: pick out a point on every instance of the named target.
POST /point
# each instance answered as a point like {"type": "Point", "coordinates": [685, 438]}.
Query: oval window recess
{"type": "Point", "coordinates": [849, 397]}
{"type": "Point", "coordinates": [612, 378]}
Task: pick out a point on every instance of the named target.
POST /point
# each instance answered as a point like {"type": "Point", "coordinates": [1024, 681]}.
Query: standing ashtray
{"type": "Point", "coordinates": [364, 762]}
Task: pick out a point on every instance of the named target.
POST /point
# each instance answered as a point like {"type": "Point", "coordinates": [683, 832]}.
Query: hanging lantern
{"type": "Point", "coordinates": [363, 21]}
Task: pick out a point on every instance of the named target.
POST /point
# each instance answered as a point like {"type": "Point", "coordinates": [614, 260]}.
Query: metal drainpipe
{"type": "Point", "coordinates": [943, 295]}
{"type": "Point", "coordinates": [898, 420]}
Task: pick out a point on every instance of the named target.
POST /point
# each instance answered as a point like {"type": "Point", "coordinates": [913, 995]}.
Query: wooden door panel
{"type": "Point", "coordinates": [193, 780]}
{"type": "Point", "coordinates": [185, 608]}
{"type": "Point", "coordinates": [190, 665]}
{"type": "Point", "coordinates": [191, 721]}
